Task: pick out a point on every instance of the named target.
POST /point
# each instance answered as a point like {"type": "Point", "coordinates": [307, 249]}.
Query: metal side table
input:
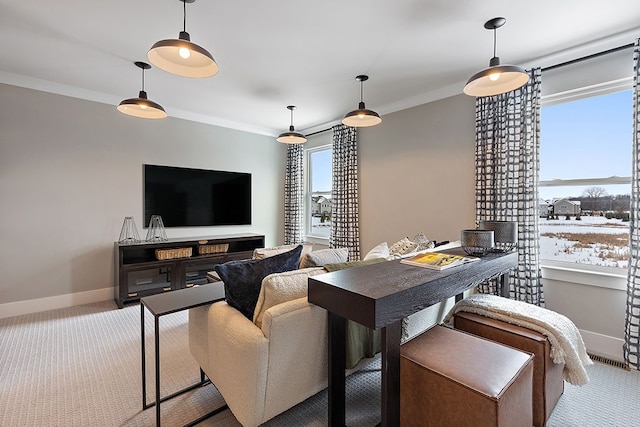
{"type": "Point", "coordinates": [167, 303]}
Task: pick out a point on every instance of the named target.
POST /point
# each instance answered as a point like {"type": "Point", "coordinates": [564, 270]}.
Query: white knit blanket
{"type": "Point", "coordinates": [566, 342]}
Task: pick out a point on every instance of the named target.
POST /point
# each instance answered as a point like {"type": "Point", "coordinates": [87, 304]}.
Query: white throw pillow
{"type": "Point", "coordinates": [324, 256]}
{"type": "Point", "coordinates": [380, 251]}
{"type": "Point", "coordinates": [281, 287]}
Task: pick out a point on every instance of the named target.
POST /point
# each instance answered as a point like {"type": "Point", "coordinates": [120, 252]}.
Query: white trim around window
{"type": "Point", "coordinates": [584, 274]}
{"type": "Point", "coordinates": [591, 275]}
{"type": "Point", "coordinates": [308, 236]}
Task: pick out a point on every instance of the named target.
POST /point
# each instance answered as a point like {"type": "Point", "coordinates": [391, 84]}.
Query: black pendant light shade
{"type": "Point", "coordinates": [182, 57]}
{"type": "Point", "coordinates": [142, 106]}
{"type": "Point", "coordinates": [497, 78]}
{"type": "Point", "coordinates": [291, 137]}
{"type": "Point", "coordinates": [362, 117]}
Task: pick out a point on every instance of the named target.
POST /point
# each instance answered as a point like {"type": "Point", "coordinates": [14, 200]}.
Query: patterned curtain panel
{"type": "Point", "coordinates": [294, 195]}
{"type": "Point", "coordinates": [345, 232]}
{"type": "Point", "coordinates": [507, 169]}
{"type": "Point", "coordinates": [631, 347]}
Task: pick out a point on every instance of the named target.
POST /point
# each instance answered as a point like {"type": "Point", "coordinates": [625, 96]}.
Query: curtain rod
{"type": "Point", "coordinates": [584, 58]}
{"type": "Point", "coordinates": [319, 131]}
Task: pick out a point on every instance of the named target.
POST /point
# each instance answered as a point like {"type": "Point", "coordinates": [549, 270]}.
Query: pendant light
{"type": "Point", "coordinates": [361, 117]}
{"type": "Point", "coordinates": [497, 78]}
{"type": "Point", "coordinates": [142, 106]}
{"type": "Point", "coordinates": [182, 57]}
{"type": "Point", "coordinates": [291, 137]}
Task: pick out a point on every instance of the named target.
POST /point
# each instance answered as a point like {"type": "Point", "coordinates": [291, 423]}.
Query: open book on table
{"type": "Point", "coordinates": [438, 260]}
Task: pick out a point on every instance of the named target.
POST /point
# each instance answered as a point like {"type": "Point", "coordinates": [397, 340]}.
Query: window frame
{"type": "Point", "coordinates": [308, 194]}
{"type": "Point", "coordinates": [591, 272]}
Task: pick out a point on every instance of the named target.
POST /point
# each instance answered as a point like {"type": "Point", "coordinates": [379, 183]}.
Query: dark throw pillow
{"type": "Point", "coordinates": [243, 279]}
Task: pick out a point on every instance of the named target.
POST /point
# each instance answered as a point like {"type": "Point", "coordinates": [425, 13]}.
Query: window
{"type": "Point", "coordinates": [585, 180]}
{"type": "Point", "coordinates": [318, 193]}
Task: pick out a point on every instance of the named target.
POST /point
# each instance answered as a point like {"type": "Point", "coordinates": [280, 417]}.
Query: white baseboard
{"type": "Point", "coordinates": [51, 303]}
{"type": "Point", "coordinates": [603, 345]}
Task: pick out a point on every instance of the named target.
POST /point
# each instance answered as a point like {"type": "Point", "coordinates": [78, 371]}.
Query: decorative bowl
{"type": "Point", "coordinates": [477, 242]}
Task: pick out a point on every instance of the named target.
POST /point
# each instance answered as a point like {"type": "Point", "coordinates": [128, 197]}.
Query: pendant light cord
{"type": "Point", "coordinates": [291, 117]}
{"type": "Point", "coordinates": [143, 79]}
{"type": "Point", "coordinates": [184, 16]}
{"type": "Point", "coordinates": [361, 91]}
{"type": "Point", "coordinates": [495, 38]}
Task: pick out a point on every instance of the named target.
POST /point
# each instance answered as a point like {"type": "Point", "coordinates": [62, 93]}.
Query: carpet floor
{"type": "Point", "coordinates": [80, 366]}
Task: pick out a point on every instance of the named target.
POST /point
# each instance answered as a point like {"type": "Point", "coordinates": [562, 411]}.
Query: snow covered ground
{"type": "Point", "coordinates": [576, 249]}
{"type": "Point", "coordinates": [321, 229]}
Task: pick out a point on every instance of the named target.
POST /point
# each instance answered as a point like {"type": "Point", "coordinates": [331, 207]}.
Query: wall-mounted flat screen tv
{"type": "Point", "coordinates": [196, 197]}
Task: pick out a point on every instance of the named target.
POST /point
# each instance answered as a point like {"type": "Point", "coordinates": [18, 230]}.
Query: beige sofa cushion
{"type": "Point", "coordinates": [281, 287]}
{"type": "Point", "coordinates": [324, 256]}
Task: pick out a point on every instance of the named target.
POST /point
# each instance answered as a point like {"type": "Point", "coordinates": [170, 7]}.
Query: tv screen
{"type": "Point", "coordinates": [196, 197]}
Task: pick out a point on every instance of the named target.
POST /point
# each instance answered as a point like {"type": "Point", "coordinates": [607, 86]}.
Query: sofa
{"type": "Point", "coordinates": [267, 364]}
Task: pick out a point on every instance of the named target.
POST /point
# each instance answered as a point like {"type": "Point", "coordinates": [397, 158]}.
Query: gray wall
{"type": "Point", "coordinates": [417, 173]}
{"type": "Point", "coordinates": [71, 170]}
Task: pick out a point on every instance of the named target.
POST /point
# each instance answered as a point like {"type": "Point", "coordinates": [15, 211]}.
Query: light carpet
{"type": "Point", "coordinates": [80, 366]}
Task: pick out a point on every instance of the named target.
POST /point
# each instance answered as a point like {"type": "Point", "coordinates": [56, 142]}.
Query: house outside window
{"type": "Point", "coordinates": [318, 194]}
{"type": "Point", "coordinates": [585, 180]}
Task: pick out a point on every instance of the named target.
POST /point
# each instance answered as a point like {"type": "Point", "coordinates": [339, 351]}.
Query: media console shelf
{"type": "Point", "coordinates": [139, 273]}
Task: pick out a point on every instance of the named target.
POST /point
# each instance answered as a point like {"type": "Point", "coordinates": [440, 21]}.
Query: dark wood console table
{"type": "Point", "coordinates": [380, 296]}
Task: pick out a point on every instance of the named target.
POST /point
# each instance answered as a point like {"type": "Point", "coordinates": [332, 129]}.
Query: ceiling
{"type": "Point", "coordinates": [274, 53]}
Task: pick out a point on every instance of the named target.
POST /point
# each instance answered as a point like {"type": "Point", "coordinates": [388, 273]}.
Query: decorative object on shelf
{"type": "Point", "coordinates": [174, 253]}
{"type": "Point", "coordinates": [497, 78]}
{"type": "Point", "coordinates": [477, 242]}
{"type": "Point", "coordinates": [362, 117]}
{"type": "Point", "coordinates": [213, 249]}
{"type": "Point", "coordinates": [182, 57]}
{"type": "Point", "coordinates": [291, 137]}
{"type": "Point", "coordinates": [142, 106]}
{"type": "Point", "coordinates": [505, 234]}
{"type": "Point", "coordinates": [129, 233]}
{"type": "Point", "coordinates": [156, 231]}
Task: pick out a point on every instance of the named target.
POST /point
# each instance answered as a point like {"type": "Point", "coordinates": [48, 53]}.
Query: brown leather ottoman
{"type": "Point", "coordinates": [548, 383]}
{"type": "Point", "coordinates": [455, 379]}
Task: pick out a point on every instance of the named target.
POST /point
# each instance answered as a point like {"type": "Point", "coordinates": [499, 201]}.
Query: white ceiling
{"type": "Point", "coordinates": [274, 53]}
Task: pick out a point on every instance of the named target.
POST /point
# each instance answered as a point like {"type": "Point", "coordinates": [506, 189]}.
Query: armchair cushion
{"type": "Point", "coordinates": [282, 287]}
{"type": "Point", "coordinates": [243, 279]}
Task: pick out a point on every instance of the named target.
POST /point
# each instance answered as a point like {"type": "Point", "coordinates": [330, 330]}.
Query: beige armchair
{"type": "Point", "coordinates": [263, 370]}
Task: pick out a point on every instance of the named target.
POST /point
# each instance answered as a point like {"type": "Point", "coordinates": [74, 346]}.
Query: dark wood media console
{"type": "Point", "coordinates": [138, 272]}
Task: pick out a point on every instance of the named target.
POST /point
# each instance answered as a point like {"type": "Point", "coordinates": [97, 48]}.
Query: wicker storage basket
{"type": "Point", "coordinates": [173, 253]}
{"type": "Point", "coordinates": [213, 249]}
